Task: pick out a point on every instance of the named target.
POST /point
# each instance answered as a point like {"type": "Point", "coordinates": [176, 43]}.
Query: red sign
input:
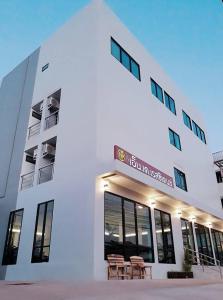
{"type": "Point", "coordinates": [136, 163]}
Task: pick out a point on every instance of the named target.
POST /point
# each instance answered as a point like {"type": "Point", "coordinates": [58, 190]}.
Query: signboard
{"type": "Point", "coordinates": [138, 164]}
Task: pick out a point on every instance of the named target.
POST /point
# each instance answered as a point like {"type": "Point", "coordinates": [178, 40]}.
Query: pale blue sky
{"type": "Point", "coordinates": [184, 36]}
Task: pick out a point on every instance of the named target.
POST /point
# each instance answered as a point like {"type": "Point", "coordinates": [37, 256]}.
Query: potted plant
{"type": "Point", "coordinates": [187, 267]}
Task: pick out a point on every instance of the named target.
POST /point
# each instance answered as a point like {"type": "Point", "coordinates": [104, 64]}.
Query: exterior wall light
{"type": "Point", "coordinates": [192, 219]}
{"type": "Point", "coordinates": [104, 185]}
{"type": "Point", "coordinates": [209, 225]}
{"type": "Point", "coordinates": [179, 213]}
{"type": "Point", "coordinates": [152, 203]}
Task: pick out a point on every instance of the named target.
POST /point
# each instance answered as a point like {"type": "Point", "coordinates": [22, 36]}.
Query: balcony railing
{"type": "Point", "coordinates": [52, 120]}
{"type": "Point", "coordinates": [46, 173]}
{"type": "Point", "coordinates": [218, 158]}
{"type": "Point", "coordinates": [33, 130]}
{"type": "Point", "coordinates": [27, 180]}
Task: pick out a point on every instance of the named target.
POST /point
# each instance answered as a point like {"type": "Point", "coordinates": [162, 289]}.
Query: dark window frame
{"type": "Point", "coordinates": [175, 136]}
{"type": "Point", "coordinates": [40, 260]}
{"type": "Point", "coordinates": [168, 100]}
{"type": "Point", "coordinates": [152, 81]}
{"type": "Point", "coordinates": [193, 238]}
{"type": "Point", "coordinates": [6, 259]}
{"type": "Point", "coordinates": [199, 231]}
{"type": "Point", "coordinates": [182, 175]}
{"type": "Point", "coordinates": [185, 115]}
{"type": "Point", "coordinates": [164, 242]}
{"type": "Point", "coordinates": [45, 67]}
{"type": "Point", "coordinates": [218, 255]}
{"type": "Point", "coordinates": [136, 225]}
{"type": "Point", "coordinates": [131, 59]}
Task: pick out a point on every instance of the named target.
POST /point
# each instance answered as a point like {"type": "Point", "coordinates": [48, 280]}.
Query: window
{"type": "Point", "coordinates": [193, 126]}
{"type": "Point", "coordinates": [13, 237]}
{"type": "Point", "coordinates": [170, 103]}
{"type": "Point", "coordinates": [125, 59]}
{"type": "Point", "coordinates": [188, 236]}
{"type": "Point", "coordinates": [218, 244]}
{"type": "Point", "coordinates": [203, 138]}
{"type": "Point", "coordinates": [156, 90]}
{"type": "Point", "coordinates": [46, 66]}
{"type": "Point", "coordinates": [42, 237]}
{"type": "Point", "coordinates": [219, 177]}
{"type": "Point", "coordinates": [180, 179]}
{"type": "Point", "coordinates": [174, 139]}
{"type": "Point", "coordinates": [164, 237]}
{"type": "Point", "coordinates": [203, 240]}
{"type": "Point", "coordinates": [187, 120]}
{"type": "Point", "coordinates": [128, 229]}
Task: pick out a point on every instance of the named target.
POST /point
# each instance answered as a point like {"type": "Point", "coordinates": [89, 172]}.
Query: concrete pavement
{"type": "Point", "coordinates": [113, 290]}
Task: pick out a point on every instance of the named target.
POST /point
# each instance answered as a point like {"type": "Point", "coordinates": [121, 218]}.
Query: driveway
{"type": "Point", "coordinates": [113, 290]}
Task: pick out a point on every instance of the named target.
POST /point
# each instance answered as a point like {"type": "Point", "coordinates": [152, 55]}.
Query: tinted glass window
{"type": "Point", "coordinates": [180, 179]}
{"type": "Point", "coordinates": [135, 69]}
{"type": "Point", "coordinates": [164, 237]}
{"type": "Point", "coordinates": [170, 103]}
{"type": "Point", "coordinates": [13, 237]}
{"type": "Point", "coordinates": [113, 224]}
{"type": "Point", "coordinates": [42, 237]}
{"type": "Point", "coordinates": [187, 120]}
{"type": "Point", "coordinates": [159, 93]}
{"type": "Point", "coordinates": [128, 228]}
{"type": "Point", "coordinates": [218, 244]}
{"type": "Point", "coordinates": [153, 87]}
{"type": "Point", "coordinates": [203, 241]}
{"type": "Point", "coordinates": [145, 243]}
{"type": "Point", "coordinates": [174, 139]}
{"type": "Point", "coordinates": [188, 237]}
{"type": "Point", "coordinates": [115, 50]}
{"type": "Point", "coordinates": [125, 59]}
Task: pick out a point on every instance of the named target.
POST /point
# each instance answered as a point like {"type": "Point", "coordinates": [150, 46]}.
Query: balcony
{"type": "Point", "coordinates": [27, 180]}
{"type": "Point", "coordinates": [52, 120]}
{"type": "Point", "coordinates": [218, 158]}
{"type": "Point", "coordinates": [46, 173]}
{"type": "Point", "coordinates": [34, 130]}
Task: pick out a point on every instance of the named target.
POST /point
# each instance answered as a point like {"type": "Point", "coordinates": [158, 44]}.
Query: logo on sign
{"type": "Point", "coordinates": [136, 163]}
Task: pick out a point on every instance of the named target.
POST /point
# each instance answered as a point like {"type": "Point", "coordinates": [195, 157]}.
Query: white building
{"type": "Point", "coordinates": [107, 156]}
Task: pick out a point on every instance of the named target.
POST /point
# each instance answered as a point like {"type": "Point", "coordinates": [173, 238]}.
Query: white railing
{"type": "Point", "coordinates": [46, 173]}
{"type": "Point", "coordinates": [27, 180]}
{"type": "Point", "coordinates": [205, 261]}
{"type": "Point", "coordinates": [33, 130]}
{"type": "Point", "coordinates": [218, 156]}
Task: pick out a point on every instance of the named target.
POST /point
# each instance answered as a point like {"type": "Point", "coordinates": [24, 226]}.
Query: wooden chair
{"type": "Point", "coordinates": [138, 268]}
{"type": "Point", "coordinates": [116, 267]}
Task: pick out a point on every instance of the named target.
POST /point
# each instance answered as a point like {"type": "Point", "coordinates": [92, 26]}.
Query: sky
{"type": "Point", "coordinates": [184, 36]}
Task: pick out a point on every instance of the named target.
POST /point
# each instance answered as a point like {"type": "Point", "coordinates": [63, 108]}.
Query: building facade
{"type": "Point", "coordinates": [112, 159]}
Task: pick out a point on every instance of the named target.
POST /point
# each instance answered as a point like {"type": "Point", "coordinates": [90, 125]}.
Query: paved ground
{"type": "Point", "coordinates": [114, 290]}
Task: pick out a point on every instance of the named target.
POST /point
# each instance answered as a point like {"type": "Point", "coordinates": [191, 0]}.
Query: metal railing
{"type": "Point", "coordinates": [52, 120]}
{"type": "Point", "coordinates": [34, 129]}
{"type": "Point", "coordinates": [46, 173]}
{"type": "Point", "coordinates": [205, 261]}
{"type": "Point", "coordinates": [218, 156]}
{"type": "Point", "coordinates": [27, 180]}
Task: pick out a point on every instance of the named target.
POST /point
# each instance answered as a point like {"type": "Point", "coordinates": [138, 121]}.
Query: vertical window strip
{"type": "Point", "coordinates": [13, 237]}
{"type": "Point", "coordinates": [42, 230]}
{"type": "Point", "coordinates": [174, 139]}
{"type": "Point", "coordinates": [165, 245]}
{"type": "Point", "coordinates": [180, 179]}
